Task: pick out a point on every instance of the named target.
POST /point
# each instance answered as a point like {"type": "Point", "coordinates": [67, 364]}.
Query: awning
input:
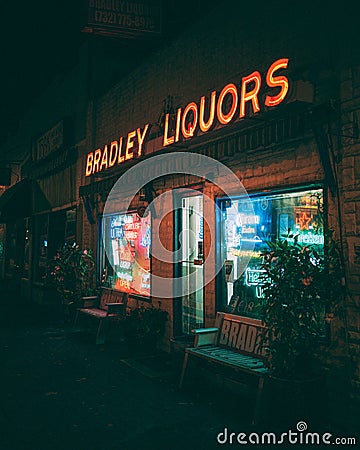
{"type": "Point", "coordinates": [18, 200]}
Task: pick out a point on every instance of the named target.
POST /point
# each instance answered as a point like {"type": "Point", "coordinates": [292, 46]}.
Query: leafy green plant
{"type": "Point", "coordinates": [299, 285]}
{"type": "Point", "coordinates": [72, 273]}
{"type": "Point", "coordinates": [142, 323]}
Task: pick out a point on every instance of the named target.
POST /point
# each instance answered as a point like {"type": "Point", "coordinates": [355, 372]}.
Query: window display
{"type": "Point", "coordinates": [272, 217]}
{"type": "Point", "coordinates": [125, 263]}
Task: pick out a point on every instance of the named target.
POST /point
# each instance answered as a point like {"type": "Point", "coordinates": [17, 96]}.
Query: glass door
{"type": "Point", "coordinates": [192, 274]}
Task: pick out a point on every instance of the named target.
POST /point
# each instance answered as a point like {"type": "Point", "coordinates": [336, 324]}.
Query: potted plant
{"type": "Point", "coordinates": [144, 326]}
{"type": "Point", "coordinates": [72, 273]}
{"type": "Point", "coordinates": [299, 286]}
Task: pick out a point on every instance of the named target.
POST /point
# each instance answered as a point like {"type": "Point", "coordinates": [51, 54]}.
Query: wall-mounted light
{"type": "Point", "coordinates": [142, 195]}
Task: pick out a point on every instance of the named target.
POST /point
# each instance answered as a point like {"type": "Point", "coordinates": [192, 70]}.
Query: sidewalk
{"type": "Point", "coordinates": [59, 390]}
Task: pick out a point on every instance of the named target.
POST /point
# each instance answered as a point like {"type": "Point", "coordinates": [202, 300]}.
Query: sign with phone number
{"type": "Point", "coordinates": [124, 17]}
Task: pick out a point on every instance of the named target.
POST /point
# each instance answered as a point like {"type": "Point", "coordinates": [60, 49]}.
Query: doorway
{"type": "Point", "coordinates": [191, 266]}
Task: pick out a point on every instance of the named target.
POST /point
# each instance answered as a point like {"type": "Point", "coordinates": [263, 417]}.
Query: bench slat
{"type": "Point", "coordinates": [94, 312]}
{"type": "Point", "coordinates": [225, 353]}
{"type": "Point", "coordinates": [228, 354]}
{"type": "Point", "coordinates": [228, 357]}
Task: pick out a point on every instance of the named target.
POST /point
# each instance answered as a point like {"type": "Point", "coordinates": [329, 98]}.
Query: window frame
{"type": "Point", "coordinates": [220, 282]}
{"type": "Point", "coordinates": [101, 255]}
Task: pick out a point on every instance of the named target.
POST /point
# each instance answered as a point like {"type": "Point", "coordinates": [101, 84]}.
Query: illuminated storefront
{"type": "Point", "coordinates": [124, 243]}
{"type": "Point", "coordinates": [124, 237]}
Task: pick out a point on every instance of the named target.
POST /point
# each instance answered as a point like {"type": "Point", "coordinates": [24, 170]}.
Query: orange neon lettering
{"type": "Point", "coordinates": [232, 90]}
{"type": "Point", "coordinates": [121, 158]}
{"type": "Point", "coordinates": [89, 164]}
{"type": "Point", "coordinates": [141, 137]}
{"type": "Point", "coordinates": [130, 145]}
{"type": "Point", "coordinates": [113, 153]}
{"type": "Point", "coordinates": [252, 95]}
{"type": "Point", "coordinates": [167, 140]}
{"type": "Point", "coordinates": [104, 159]}
{"type": "Point", "coordinates": [177, 130]}
{"type": "Point", "coordinates": [189, 131]}
{"type": "Point", "coordinates": [205, 126]}
{"type": "Point", "coordinates": [279, 81]}
{"type": "Point", "coordinates": [97, 157]}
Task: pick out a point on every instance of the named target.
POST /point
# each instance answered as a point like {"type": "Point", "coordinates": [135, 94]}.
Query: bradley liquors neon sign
{"type": "Point", "coordinates": [233, 102]}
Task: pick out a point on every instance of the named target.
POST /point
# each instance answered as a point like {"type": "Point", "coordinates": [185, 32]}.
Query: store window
{"type": "Point", "coordinates": [70, 226]}
{"type": "Point", "coordinates": [271, 217]}
{"type": "Point", "coordinates": [124, 253]}
{"type": "Point", "coordinates": [52, 231]}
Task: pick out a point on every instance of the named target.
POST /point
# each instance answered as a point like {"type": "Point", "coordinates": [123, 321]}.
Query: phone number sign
{"type": "Point", "coordinates": [124, 18]}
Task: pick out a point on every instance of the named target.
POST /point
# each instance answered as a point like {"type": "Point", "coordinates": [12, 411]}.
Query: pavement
{"type": "Point", "coordinates": [58, 390]}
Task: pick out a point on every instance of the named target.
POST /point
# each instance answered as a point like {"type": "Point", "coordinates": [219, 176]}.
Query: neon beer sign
{"type": "Point", "coordinates": [230, 104]}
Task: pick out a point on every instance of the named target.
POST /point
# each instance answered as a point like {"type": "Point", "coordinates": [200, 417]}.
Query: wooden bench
{"type": "Point", "coordinates": [234, 342]}
{"type": "Point", "coordinates": [110, 306]}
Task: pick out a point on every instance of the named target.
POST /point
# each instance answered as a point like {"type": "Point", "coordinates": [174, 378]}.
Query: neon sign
{"type": "Point", "coordinates": [255, 239]}
{"type": "Point", "coordinates": [309, 238]}
{"type": "Point", "coordinates": [247, 219]}
{"type": "Point", "coordinates": [303, 221]}
{"type": "Point", "coordinates": [232, 103]}
{"type": "Point", "coordinates": [193, 116]}
{"type": "Point", "coordinates": [245, 253]}
{"type": "Point", "coordinates": [254, 277]}
{"type": "Point", "coordinates": [117, 152]}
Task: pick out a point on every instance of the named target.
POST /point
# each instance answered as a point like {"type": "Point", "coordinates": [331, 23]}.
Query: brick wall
{"type": "Point", "coordinates": [190, 67]}
{"type": "Point", "coordinates": [349, 181]}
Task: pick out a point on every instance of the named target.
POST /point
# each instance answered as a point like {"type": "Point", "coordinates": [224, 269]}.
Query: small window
{"type": "Point", "coordinates": [124, 256]}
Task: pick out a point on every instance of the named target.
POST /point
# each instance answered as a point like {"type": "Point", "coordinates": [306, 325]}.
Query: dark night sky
{"type": "Point", "coordinates": [39, 39]}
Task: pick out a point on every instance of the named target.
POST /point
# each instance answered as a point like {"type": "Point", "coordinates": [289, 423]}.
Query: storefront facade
{"type": "Point", "coordinates": [52, 169]}
{"type": "Point", "coordinates": [41, 209]}
{"type": "Point", "coordinates": [270, 111]}
{"type": "Point", "coordinates": [256, 123]}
